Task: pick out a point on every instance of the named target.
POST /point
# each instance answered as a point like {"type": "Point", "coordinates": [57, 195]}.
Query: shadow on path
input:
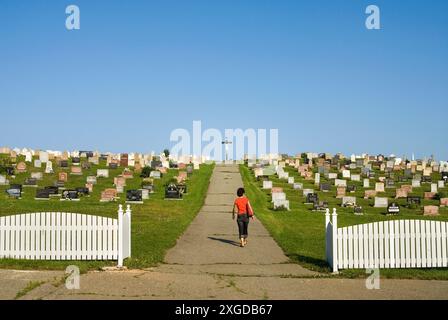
{"type": "Point", "coordinates": [231, 242]}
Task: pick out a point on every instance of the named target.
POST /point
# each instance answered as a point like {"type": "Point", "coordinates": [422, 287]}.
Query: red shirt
{"type": "Point", "coordinates": [244, 206]}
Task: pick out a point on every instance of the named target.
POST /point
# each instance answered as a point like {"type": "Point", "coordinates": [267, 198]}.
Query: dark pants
{"type": "Point", "coordinates": [243, 225]}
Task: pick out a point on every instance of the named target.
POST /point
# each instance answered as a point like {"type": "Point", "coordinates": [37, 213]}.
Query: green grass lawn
{"type": "Point", "coordinates": [301, 232]}
{"type": "Point", "coordinates": [156, 225]}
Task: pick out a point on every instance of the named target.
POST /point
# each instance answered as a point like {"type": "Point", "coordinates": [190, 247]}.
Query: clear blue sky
{"type": "Point", "coordinates": [138, 69]}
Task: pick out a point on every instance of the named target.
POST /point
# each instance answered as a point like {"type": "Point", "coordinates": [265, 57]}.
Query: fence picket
{"type": "Point", "coordinates": [386, 245]}
{"type": "Point", "coordinates": [366, 246]}
{"type": "Point", "coordinates": [407, 238]}
{"type": "Point", "coordinates": [444, 244]}
{"type": "Point", "coordinates": [412, 240]}
{"type": "Point", "coordinates": [428, 244]}
{"type": "Point", "coordinates": [376, 260]}
{"type": "Point", "coordinates": [381, 243]}
{"type": "Point", "coordinates": [361, 246]}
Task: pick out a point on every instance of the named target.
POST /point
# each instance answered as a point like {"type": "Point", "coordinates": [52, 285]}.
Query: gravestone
{"type": "Point", "coordinates": [63, 164]}
{"type": "Point", "coordinates": [434, 188]}
{"type": "Point", "coordinates": [3, 181]}
{"type": "Point", "coordinates": [390, 183]}
{"type": "Point", "coordinates": [37, 175]}
{"type": "Point", "coordinates": [49, 167]}
{"type": "Point", "coordinates": [14, 191]}
{"type": "Point", "coordinates": [86, 165]}
{"type": "Point", "coordinates": [297, 186]}
{"type": "Point", "coordinates": [340, 183]}
{"type": "Point", "coordinates": [76, 171]}
{"type": "Point", "coordinates": [102, 173]}
{"type": "Point", "coordinates": [429, 195]}
{"type": "Point", "coordinates": [21, 167]}
{"type": "Point", "coordinates": [340, 192]}
{"type": "Point", "coordinates": [366, 183]}
{"type": "Point", "coordinates": [349, 201]}
{"type": "Point", "coordinates": [281, 204]}
{"type": "Point", "coordinates": [37, 164]}
{"type": "Point", "coordinates": [267, 184]}
{"type": "Point", "coordinates": [42, 194]}
{"type": "Point", "coordinates": [332, 176]}
{"type": "Point", "coordinates": [444, 202]}
{"type": "Point", "coordinates": [357, 210]}
{"type": "Point", "coordinates": [414, 200]}
{"type": "Point", "coordinates": [30, 182]}
{"type": "Point", "coordinates": [276, 189]}
{"type": "Point", "coordinates": [346, 174]}
{"type": "Point", "coordinates": [393, 209]}
{"type": "Point", "coordinates": [356, 177]}
{"type": "Point", "coordinates": [401, 193]}
{"type": "Point", "coordinates": [379, 187]}
{"type": "Point", "coordinates": [92, 180]}
{"type": "Point", "coordinates": [381, 202]}
{"type": "Point", "coordinates": [172, 192]}
{"type": "Point", "coordinates": [145, 194]}
{"type": "Point", "coordinates": [430, 210]}
{"type": "Point", "coordinates": [416, 183]}
{"type": "Point", "coordinates": [307, 191]}
{"type": "Point", "coordinates": [124, 160]}
{"type": "Point", "coordinates": [317, 179]}
{"type": "Point", "coordinates": [351, 188]}
{"type": "Point", "coordinates": [70, 195]}
{"type": "Point", "coordinates": [134, 196]}
{"type": "Point", "coordinates": [291, 180]}
{"type": "Point", "coordinates": [278, 196]}
{"type": "Point", "coordinates": [108, 195]}
{"type": "Point", "coordinates": [369, 194]}
{"type": "Point", "coordinates": [157, 175]}
{"type": "Point", "coordinates": [113, 165]}
{"type": "Point", "coordinates": [312, 198]}
{"type": "Point", "coordinates": [90, 187]}
{"type": "Point", "coordinates": [63, 177]}
{"type": "Point", "coordinates": [83, 191]}
{"type": "Point", "coordinates": [325, 187]}
{"type": "Point", "coordinates": [441, 184]}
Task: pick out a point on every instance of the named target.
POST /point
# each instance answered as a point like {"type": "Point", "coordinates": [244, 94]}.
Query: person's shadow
{"type": "Point", "coordinates": [231, 242]}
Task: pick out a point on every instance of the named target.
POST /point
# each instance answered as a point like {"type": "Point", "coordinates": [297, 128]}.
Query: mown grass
{"type": "Point", "coordinates": [156, 225]}
{"type": "Point", "coordinates": [301, 232]}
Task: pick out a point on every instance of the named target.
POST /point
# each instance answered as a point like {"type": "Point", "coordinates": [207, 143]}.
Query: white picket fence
{"type": "Point", "coordinates": [386, 244]}
{"type": "Point", "coordinates": [66, 236]}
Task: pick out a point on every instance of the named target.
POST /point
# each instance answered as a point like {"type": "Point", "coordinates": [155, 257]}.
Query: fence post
{"type": "Point", "coordinates": [328, 238]}
{"type": "Point", "coordinates": [335, 241]}
{"type": "Point", "coordinates": [120, 236]}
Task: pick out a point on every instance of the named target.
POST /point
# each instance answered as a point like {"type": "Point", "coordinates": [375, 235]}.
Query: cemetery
{"type": "Point", "coordinates": [95, 184]}
{"type": "Point", "coordinates": [363, 189]}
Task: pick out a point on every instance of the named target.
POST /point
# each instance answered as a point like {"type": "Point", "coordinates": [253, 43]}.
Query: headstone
{"type": "Point", "coordinates": [76, 171]}
{"type": "Point", "coordinates": [434, 188]}
{"type": "Point", "coordinates": [358, 210]}
{"type": "Point", "coordinates": [332, 176]}
{"type": "Point", "coordinates": [14, 191]}
{"type": "Point", "coordinates": [3, 181]}
{"type": "Point", "coordinates": [444, 202]}
{"type": "Point", "coordinates": [381, 202]}
{"type": "Point", "coordinates": [401, 193]}
{"type": "Point", "coordinates": [49, 167]}
{"type": "Point", "coordinates": [368, 194]}
{"type": "Point", "coordinates": [63, 164]}
{"type": "Point", "coordinates": [92, 180]}
{"type": "Point", "coordinates": [102, 173]}
{"type": "Point", "coordinates": [325, 187]}
{"type": "Point", "coordinates": [37, 175]}
{"type": "Point", "coordinates": [278, 196]}
{"type": "Point", "coordinates": [267, 184]}
{"type": "Point", "coordinates": [340, 192]}
{"type": "Point", "coordinates": [291, 180]}
{"type": "Point", "coordinates": [145, 194]}
{"type": "Point", "coordinates": [416, 183]}
{"type": "Point", "coordinates": [42, 194]}
{"type": "Point", "coordinates": [108, 195]}
{"type": "Point", "coordinates": [317, 179]}
{"type": "Point", "coordinates": [351, 188]}
{"type": "Point", "coordinates": [441, 184]}
{"type": "Point", "coordinates": [346, 174]}
{"type": "Point", "coordinates": [306, 192]}
{"type": "Point", "coordinates": [349, 201]}
{"type": "Point", "coordinates": [297, 186]}
{"type": "Point", "coordinates": [340, 183]}
{"type": "Point", "coordinates": [276, 189]}
{"type": "Point", "coordinates": [37, 164]}
{"type": "Point", "coordinates": [63, 177]}
{"type": "Point", "coordinates": [281, 204]}
{"type": "Point", "coordinates": [414, 200]}
{"type": "Point", "coordinates": [172, 192]}
{"type": "Point", "coordinates": [366, 183]}
{"type": "Point", "coordinates": [356, 177]}
{"type": "Point", "coordinates": [134, 196]}
{"type": "Point", "coordinates": [429, 195]}
{"type": "Point", "coordinates": [155, 174]}
{"type": "Point", "coordinates": [430, 210]}
{"type": "Point", "coordinates": [379, 187]}
{"type": "Point", "coordinates": [312, 198]}
{"type": "Point", "coordinates": [89, 186]}
{"type": "Point", "coordinates": [393, 208]}
{"type": "Point", "coordinates": [390, 183]}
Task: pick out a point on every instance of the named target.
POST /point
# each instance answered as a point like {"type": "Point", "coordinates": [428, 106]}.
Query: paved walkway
{"type": "Point", "coordinates": [207, 263]}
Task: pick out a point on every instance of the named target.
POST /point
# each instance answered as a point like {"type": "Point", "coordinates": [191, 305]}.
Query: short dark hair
{"type": "Point", "coordinates": [240, 192]}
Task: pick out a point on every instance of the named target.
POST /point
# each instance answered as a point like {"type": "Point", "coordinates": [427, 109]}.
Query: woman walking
{"type": "Point", "coordinates": [243, 210]}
